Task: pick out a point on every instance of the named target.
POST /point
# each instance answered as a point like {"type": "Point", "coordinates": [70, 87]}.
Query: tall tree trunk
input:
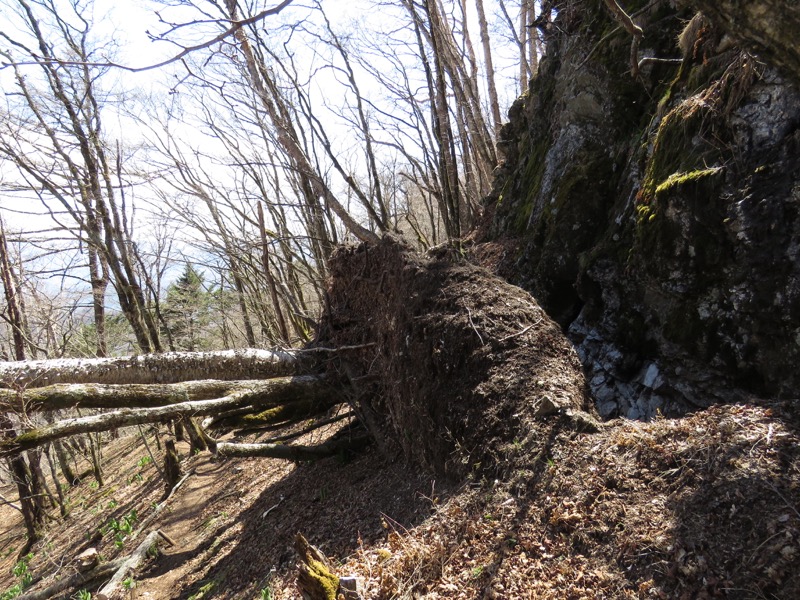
{"type": "Point", "coordinates": [14, 315]}
{"type": "Point", "coordinates": [32, 512]}
{"type": "Point", "coordinates": [273, 292]}
{"type": "Point", "coordinates": [494, 102]}
{"type": "Point", "coordinates": [98, 275]}
{"type": "Point", "coordinates": [29, 493]}
{"type": "Point", "coordinates": [524, 66]}
{"type": "Point", "coordinates": [62, 507]}
{"type": "Point", "coordinates": [63, 463]}
{"type": "Point", "coordinates": [533, 40]}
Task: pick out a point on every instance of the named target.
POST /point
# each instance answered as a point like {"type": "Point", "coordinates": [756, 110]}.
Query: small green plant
{"type": "Point", "coordinates": [121, 528]}
{"type": "Point", "coordinates": [144, 461]}
{"type": "Point", "coordinates": [152, 551]}
{"type": "Point", "coordinates": [205, 590]}
{"type": "Point", "coordinates": [112, 504]}
{"type": "Point", "coordinates": [265, 593]}
{"type": "Point", "coordinates": [135, 479]}
{"type": "Point", "coordinates": [83, 595]}
{"type": "Point", "coordinates": [128, 583]}
{"type": "Point", "coordinates": [21, 571]}
{"type": "Point", "coordinates": [94, 485]}
{"type": "Point", "coordinates": [476, 572]}
{"type": "Point", "coordinates": [12, 592]}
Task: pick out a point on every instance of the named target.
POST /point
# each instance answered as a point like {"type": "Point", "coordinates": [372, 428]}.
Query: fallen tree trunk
{"type": "Point", "coordinates": [302, 389]}
{"type": "Point", "coordinates": [130, 564]}
{"type": "Point", "coordinates": [298, 410]}
{"type": "Point", "coordinates": [134, 395]}
{"type": "Point", "coordinates": [79, 579]}
{"type": "Point", "coordinates": [285, 452]}
{"type": "Point", "coordinates": [169, 367]}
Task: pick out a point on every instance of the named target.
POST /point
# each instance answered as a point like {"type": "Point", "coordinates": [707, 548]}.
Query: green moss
{"type": "Point", "coordinates": [279, 414]}
{"type": "Point", "coordinates": [673, 148]}
{"type": "Point", "coordinates": [28, 437]}
{"type": "Point", "coordinates": [328, 582]}
{"type": "Point", "coordinates": [677, 180]}
{"type": "Point", "coordinates": [531, 184]}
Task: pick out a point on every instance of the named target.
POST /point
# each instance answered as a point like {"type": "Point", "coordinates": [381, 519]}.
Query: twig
{"type": "Point", "coordinates": [150, 452]}
{"type": "Point", "coordinates": [9, 503]}
{"type": "Point", "coordinates": [520, 332]}
{"type": "Point", "coordinates": [782, 497]}
{"type": "Point", "coordinates": [228, 495]}
{"type": "Point", "coordinates": [475, 329]}
{"type": "Point", "coordinates": [234, 27]}
{"type": "Point", "coordinates": [636, 32]}
{"type": "Point", "coordinates": [271, 508]}
{"type": "Point", "coordinates": [761, 545]}
{"type": "Point", "coordinates": [653, 60]}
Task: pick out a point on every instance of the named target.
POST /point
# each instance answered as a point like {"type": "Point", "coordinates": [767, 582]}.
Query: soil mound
{"type": "Point", "coordinates": [453, 366]}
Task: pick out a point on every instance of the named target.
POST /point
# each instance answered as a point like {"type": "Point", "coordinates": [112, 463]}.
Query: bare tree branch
{"type": "Point", "coordinates": [235, 26]}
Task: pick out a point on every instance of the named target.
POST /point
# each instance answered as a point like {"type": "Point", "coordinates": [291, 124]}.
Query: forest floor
{"type": "Point", "coordinates": [700, 507]}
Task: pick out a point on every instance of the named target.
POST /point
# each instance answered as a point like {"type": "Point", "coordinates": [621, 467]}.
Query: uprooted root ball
{"type": "Point", "coordinates": [455, 367]}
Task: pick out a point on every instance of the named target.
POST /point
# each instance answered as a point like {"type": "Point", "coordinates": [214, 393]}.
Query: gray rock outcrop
{"type": "Point", "coordinates": [658, 219]}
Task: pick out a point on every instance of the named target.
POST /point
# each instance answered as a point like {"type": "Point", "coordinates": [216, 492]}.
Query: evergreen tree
{"type": "Point", "coordinates": [186, 312]}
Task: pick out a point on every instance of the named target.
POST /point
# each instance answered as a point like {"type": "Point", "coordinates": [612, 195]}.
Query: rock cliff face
{"type": "Point", "coordinates": [657, 220]}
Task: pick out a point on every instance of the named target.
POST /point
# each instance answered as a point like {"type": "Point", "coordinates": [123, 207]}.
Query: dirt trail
{"type": "Point", "coordinates": [182, 521]}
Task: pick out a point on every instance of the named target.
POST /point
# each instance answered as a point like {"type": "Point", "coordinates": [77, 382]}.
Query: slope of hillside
{"type": "Point", "coordinates": [700, 507]}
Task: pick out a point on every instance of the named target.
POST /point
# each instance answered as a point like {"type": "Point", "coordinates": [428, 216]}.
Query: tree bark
{"type": "Point", "coordinates": [494, 102]}
{"type": "Point", "coordinates": [63, 463]}
{"type": "Point", "coordinates": [315, 580]}
{"type": "Point", "coordinates": [299, 410]}
{"type": "Point", "coordinates": [169, 367]}
{"type": "Point", "coordinates": [14, 315]}
{"type": "Point", "coordinates": [273, 290]}
{"type": "Point", "coordinates": [172, 468]}
{"type": "Point", "coordinates": [268, 392]}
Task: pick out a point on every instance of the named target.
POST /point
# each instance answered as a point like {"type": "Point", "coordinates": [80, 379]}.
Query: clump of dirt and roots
{"type": "Point", "coordinates": [451, 364]}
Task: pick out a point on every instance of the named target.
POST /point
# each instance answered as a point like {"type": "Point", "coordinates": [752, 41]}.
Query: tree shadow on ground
{"type": "Point", "coordinates": [700, 507]}
{"type": "Point", "coordinates": [736, 522]}
{"type": "Point", "coordinates": [338, 505]}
